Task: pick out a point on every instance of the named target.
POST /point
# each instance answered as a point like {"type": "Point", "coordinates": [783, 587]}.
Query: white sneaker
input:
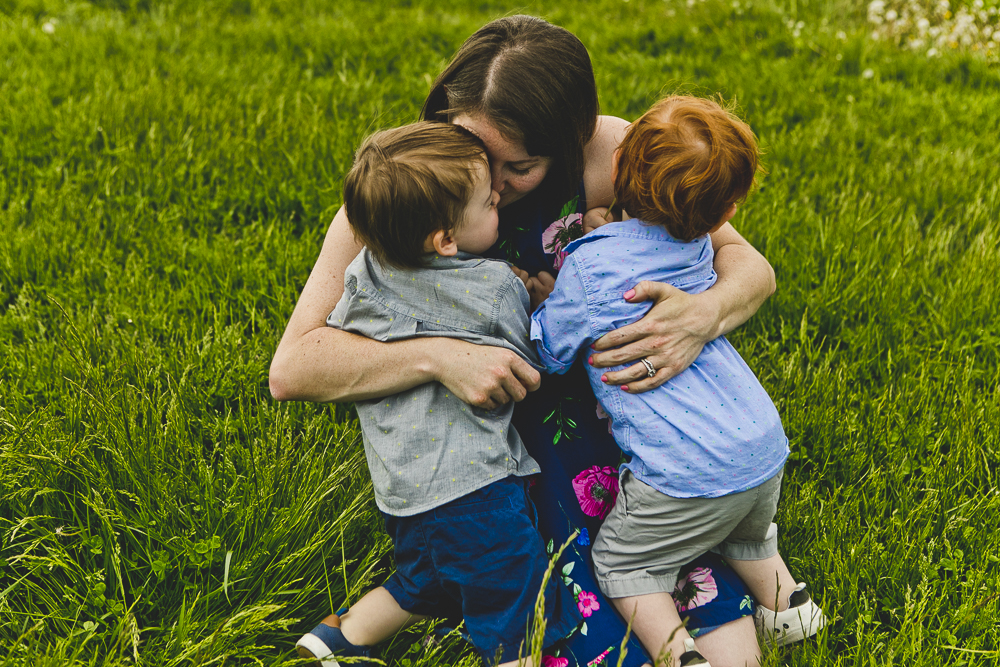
{"type": "Point", "coordinates": [690, 657]}
{"type": "Point", "coordinates": [802, 619]}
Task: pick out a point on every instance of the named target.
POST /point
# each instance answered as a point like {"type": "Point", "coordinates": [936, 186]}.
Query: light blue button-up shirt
{"type": "Point", "coordinates": [710, 431]}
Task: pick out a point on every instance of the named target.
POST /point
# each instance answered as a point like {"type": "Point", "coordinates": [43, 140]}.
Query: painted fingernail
{"type": "Point", "coordinates": [624, 387]}
{"type": "Point", "coordinates": [590, 360]}
{"type": "Point", "coordinates": [604, 378]}
{"type": "Point", "coordinates": [629, 294]}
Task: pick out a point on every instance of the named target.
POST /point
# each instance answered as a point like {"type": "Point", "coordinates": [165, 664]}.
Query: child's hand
{"type": "Point", "coordinates": [523, 275]}
{"type": "Point", "coordinates": [540, 287]}
{"type": "Point", "coordinates": [596, 217]}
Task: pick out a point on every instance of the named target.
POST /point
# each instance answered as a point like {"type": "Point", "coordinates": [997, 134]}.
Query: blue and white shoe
{"type": "Point", "coordinates": [325, 643]}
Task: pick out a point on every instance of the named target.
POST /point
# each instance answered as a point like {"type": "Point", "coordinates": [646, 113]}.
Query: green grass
{"type": "Point", "coordinates": [167, 172]}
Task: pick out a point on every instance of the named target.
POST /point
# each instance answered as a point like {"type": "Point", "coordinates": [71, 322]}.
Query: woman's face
{"type": "Point", "coordinates": [513, 171]}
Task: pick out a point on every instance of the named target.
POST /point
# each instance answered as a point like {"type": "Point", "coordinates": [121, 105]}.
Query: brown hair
{"type": "Point", "coordinates": [684, 163]}
{"type": "Point", "coordinates": [534, 83]}
{"type": "Point", "coordinates": [407, 183]}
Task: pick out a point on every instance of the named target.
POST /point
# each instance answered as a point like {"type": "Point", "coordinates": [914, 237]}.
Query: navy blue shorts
{"type": "Point", "coordinates": [480, 557]}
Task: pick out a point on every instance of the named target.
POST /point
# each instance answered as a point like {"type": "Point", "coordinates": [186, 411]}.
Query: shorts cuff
{"type": "Point", "coordinates": [405, 601]}
{"type": "Point", "coordinates": [642, 585]}
{"type": "Point", "coordinates": [751, 550]}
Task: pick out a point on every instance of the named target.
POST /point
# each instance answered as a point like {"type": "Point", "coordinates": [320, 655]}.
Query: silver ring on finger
{"type": "Point", "coordinates": [650, 371]}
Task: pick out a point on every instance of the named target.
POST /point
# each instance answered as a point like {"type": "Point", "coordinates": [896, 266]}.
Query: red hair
{"type": "Point", "coordinates": [684, 163]}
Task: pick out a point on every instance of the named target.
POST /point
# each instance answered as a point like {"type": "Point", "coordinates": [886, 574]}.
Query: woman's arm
{"type": "Point", "coordinates": [675, 330]}
{"type": "Point", "coordinates": [315, 362]}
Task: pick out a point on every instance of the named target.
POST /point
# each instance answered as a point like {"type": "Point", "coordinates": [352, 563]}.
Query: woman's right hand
{"type": "Point", "coordinates": [481, 375]}
{"type": "Point", "coordinates": [315, 362]}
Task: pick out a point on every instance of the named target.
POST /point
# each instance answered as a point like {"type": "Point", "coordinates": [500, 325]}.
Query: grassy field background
{"type": "Point", "coordinates": [167, 172]}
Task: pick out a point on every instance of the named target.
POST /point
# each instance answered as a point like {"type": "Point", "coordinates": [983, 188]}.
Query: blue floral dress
{"type": "Point", "coordinates": [566, 432]}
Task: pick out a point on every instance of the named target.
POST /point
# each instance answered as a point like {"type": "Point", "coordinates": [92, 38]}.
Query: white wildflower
{"type": "Point", "coordinates": [48, 27]}
{"type": "Point", "coordinates": [868, 73]}
{"type": "Point", "coordinates": [841, 35]}
{"type": "Point", "coordinates": [932, 52]}
{"type": "Point", "coordinates": [891, 15]}
{"type": "Point", "coordinates": [923, 24]}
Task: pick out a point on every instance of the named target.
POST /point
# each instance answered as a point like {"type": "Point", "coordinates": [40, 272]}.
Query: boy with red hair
{"type": "Point", "coordinates": [707, 447]}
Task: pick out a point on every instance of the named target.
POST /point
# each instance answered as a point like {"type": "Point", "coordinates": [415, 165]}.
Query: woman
{"type": "Point", "coordinates": [526, 88]}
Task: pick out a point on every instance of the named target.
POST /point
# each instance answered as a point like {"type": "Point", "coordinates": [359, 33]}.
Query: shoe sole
{"type": "Point", "coordinates": [311, 646]}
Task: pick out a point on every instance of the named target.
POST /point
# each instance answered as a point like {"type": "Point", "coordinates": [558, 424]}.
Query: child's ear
{"type": "Point", "coordinates": [443, 243]}
{"type": "Point", "coordinates": [726, 217]}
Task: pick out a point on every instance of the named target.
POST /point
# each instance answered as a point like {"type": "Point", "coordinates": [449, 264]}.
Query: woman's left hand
{"type": "Point", "coordinates": [670, 336]}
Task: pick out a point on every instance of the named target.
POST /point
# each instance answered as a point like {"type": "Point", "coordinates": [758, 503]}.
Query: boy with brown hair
{"type": "Point", "coordinates": [449, 478]}
{"type": "Point", "coordinates": [707, 447]}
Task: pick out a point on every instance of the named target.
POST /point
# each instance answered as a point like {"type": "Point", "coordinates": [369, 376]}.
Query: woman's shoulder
{"type": "Point", "coordinates": [598, 156]}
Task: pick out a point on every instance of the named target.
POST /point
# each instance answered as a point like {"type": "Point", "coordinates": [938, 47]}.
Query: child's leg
{"type": "Point", "coordinates": [751, 549]}
{"type": "Point", "coordinates": [642, 544]}
{"type": "Point", "coordinates": [768, 579]}
{"type": "Point", "coordinates": [373, 619]}
{"type": "Point", "coordinates": [376, 617]}
{"type": "Point", "coordinates": [657, 624]}
{"type": "Point", "coordinates": [785, 612]}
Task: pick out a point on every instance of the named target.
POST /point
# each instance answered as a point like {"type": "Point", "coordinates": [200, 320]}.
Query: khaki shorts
{"type": "Point", "coordinates": [649, 535]}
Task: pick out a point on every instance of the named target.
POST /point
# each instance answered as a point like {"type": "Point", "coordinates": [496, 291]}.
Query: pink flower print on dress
{"type": "Point", "coordinates": [587, 604]}
{"type": "Point", "coordinates": [560, 234]}
{"type": "Point", "coordinates": [596, 490]}
{"type": "Point", "coordinates": [696, 589]}
{"type": "Point", "coordinates": [599, 660]}
{"type": "Point", "coordinates": [552, 661]}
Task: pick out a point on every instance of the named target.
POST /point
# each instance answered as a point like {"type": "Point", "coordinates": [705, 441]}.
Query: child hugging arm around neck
{"type": "Point", "coordinates": [448, 478]}
{"type": "Point", "coordinates": [707, 447]}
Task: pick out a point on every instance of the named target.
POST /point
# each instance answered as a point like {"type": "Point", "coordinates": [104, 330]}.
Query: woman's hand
{"type": "Point", "coordinates": [483, 376]}
{"type": "Point", "coordinates": [670, 337]}
{"type": "Point", "coordinates": [674, 331]}
{"type": "Point", "coordinates": [315, 362]}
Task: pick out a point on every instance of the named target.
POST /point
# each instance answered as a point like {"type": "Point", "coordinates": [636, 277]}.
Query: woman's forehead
{"type": "Point", "coordinates": [498, 147]}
